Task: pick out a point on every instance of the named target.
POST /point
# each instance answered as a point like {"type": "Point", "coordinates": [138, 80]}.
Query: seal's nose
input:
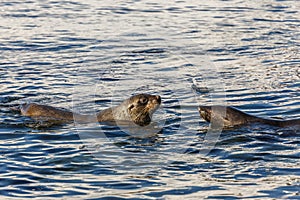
{"type": "Point", "coordinates": [158, 99]}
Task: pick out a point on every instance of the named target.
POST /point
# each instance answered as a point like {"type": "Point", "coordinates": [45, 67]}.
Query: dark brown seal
{"type": "Point", "coordinates": [138, 109]}
{"type": "Point", "coordinates": [232, 116]}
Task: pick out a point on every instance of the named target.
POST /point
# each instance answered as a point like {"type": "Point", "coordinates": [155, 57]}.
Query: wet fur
{"type": "Point", "coordinates": [138, 109]}
{"type": "Point", "coordinates": [235, 117]}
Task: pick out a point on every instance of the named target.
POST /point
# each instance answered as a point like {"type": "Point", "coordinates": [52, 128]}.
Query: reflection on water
{"type": "Point", "coordinates": [93, 55]}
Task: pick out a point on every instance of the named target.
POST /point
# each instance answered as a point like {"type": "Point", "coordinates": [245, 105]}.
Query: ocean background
{"type": "Point", "coordinates": [88, 55]}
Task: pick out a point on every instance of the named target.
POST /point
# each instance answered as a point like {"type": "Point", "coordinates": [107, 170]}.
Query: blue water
{"type": "Point", "coordinates": [88, 55]}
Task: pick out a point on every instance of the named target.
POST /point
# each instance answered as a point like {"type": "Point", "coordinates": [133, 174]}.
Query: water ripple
{"type": "Point", "coordinates": [122, 48]}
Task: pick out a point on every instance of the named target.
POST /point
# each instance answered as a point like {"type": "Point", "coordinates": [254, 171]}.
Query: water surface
{"type": "Point", "coordinates": [88, 55]}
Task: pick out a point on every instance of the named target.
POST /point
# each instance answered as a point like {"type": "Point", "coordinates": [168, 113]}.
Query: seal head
{"type": "Point", "coordinates": [138, 109]}
{"type": "Point", "coordinates": [142, 107]}
{"type": "Point", "coordinates": [229, 115]}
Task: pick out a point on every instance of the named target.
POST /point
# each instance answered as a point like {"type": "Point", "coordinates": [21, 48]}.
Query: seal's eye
{"type": "Point", "coordinates": [143, 100]}
{"type": "Point", "coordinates": [130, 107]}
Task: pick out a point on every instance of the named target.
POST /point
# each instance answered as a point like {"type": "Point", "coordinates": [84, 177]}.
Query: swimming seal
{"type": "Point", "coordinates": [234, 117]}
{"type": "Point", "coordinates": [138, 109]}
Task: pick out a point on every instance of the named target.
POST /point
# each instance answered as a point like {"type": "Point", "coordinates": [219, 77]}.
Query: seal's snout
{"type": "Point", "coordinates": [205, 112]}
{"type": "Point", "coordinates": [158, 99]}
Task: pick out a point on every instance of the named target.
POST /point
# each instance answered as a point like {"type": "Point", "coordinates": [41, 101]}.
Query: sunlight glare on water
{"type": "Point", "coordinates": [90, 55]}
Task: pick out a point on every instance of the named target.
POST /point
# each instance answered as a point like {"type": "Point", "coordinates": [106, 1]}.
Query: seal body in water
{"type": "Point", "coordinates": [231, 116]}
{"type": "Point", "coordinates": [138, 109]}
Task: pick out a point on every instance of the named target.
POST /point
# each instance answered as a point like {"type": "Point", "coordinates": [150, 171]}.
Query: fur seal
{"type": "Point", "coordinates": [235, 117]}
{"type": "Point", "coordinates": [138, 109]}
